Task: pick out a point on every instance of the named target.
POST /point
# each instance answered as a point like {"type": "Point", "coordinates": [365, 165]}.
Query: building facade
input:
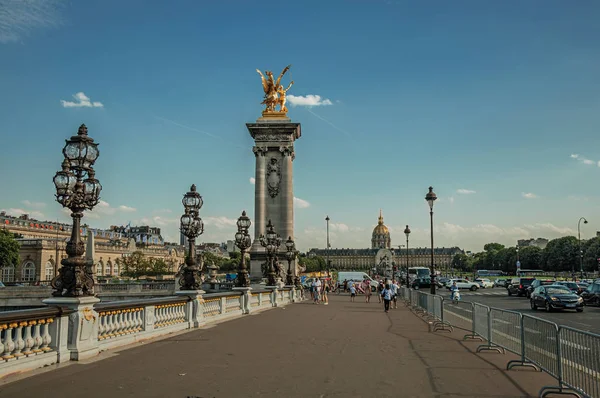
{"type": "Point", "coordinates": [367, 259]}
{"type": "Point", "coordinates": [42, 243]}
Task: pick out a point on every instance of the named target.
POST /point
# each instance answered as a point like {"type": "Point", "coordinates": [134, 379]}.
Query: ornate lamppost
{"type": "Point", "coordinates": [191, 226]}
{"type": "Point", "coordinates": [77, 189]}
{"type": "Point", "coordinates": [290, 255]}
{"type": "Point", "coordinates": [407, 232]}
{"type": "Point", "coordinates": [579, 239]}
{"type": "Point", "coordinates": [271, 242]}
{"type": "Point", "coordinates": [430, 198]}
{"type": "Point", "coordinates": [243, 242]}
{"type": "Point", "coordinates": [328, 245]}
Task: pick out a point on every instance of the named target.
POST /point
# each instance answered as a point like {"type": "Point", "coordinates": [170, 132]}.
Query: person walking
{"type": "Point", "coordinates": [394, 286]}
{"type": "Point", "coordinates": [317, 289]}
{"type": "Point", "coordinates": [368, 292]}
{"type": "Point", "coordinates": [352, 292]}
{"type": "Point", "coordinates": [386, 294]}
{"type": "Point", "coordinates": [326, 289]}
{"type": "Point", "coordinates": [380, 287]}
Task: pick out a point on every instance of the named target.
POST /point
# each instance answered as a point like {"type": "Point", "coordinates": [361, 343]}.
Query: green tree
{"type": "Point", "coordinates": [591, 250]}
{"type": "Point", "coordinates": [530, 257]}
{"type": "Point", "coordinates": [561, 255]}
{"type": "Point", "coordinates": [488, 247]}
{"type": "Point", "coordinates": [461, 262]}
{"type": "Point", "coordinates": [232, 263]}
{"type": "Point", "coordinates": [9, 249]}
{"type": "Point", "coordinates": [137, 264]}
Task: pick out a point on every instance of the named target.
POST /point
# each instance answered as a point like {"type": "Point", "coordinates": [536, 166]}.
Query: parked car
{"type": "Point", "coordinates": [591, 295]}
{"type": "Point", "coordinates": [500, 282]}
{"type": "Point", "coordinates": [574, 287]}
{"type": "Point", "coordinates": [441, 282]}
{"type": "Point", "coordinates": [519, 286]}
{"type": "Point", "coordinates": [537, 283]}
{"type": "Point", "coordinates": [582, 286]}
{"type": "Point", "coordinates": [421, 283]}
{"type": "Point", "coordinates": [484, 283]}
{"type": "Point", "coordinates": [463, 284]}
{"type": "Point", "coordinates": [555, 297]}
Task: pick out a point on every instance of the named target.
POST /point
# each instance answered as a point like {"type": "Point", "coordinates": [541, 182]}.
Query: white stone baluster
{"type": "Point", "coordinates": [27, 350]}
{"type": "Point", "coordinates": [120, 325]}
{"type": "Point", "coordinates": [101, 325]}
{"type": "Point", "coordinates": [126, 321]}
{"type": "Point", "coordinates": [139, 316]}
{"type": "Point", "coordinates": [46, 338]}
{"type": "Point", "coordinates": [37, 337]}
{"type": "Point", "coordinates": [2, 327]}
{"type": "Point", "coordinates": [158, 318]}
{"type": "Point", "coordinates": [9, 344]}
{"type": "Point", "coordinates": [19, 342]}
{"type": "Point", "coordinates": [110, 324]}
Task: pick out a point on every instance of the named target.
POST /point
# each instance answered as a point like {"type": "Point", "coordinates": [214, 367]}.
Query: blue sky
{"type": "Point", "coordinates": [495, 104]}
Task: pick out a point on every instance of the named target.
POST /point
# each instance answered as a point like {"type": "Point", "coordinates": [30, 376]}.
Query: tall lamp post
{"type": "Point", "coordinates": [290, 255]}
{"type": "Point", "coordinates": [271, 242]}
{"type": "Point", "coordinates": [407, 233]}
{"type": "Point", "coordinates": [191, 226]}
{"type": "Point", "coordinates": [243, 242]}
{"type": "Point", "coordinates": [327, 221]}
{"type": "Point", "coordinates": [518, 261]}
{"type": "Point", "coordinates": [431, 198]}
{"type": "Point", "coordinates": [579, 239]}
{"type": "Point", "coordinates": [77, 189]}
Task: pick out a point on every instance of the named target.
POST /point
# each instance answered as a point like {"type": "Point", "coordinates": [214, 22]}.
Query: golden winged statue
{"type": "Point", "coordinates": [275, 94]}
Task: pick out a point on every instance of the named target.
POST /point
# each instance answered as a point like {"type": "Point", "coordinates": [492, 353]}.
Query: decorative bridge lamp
{"type": "Point", "coordinates": [407, 233]}
{"type": "Point", "coordinates": [271, 242]}
{"type": "Point", "coordinates": [431, 198]}
{"type": "Point", "coordinates": [243, 242]}
{"type": "Point", "coordinates": [77, 189]}
{"type": "Point", "coordinates": [290, 255]}
{"type": "Point", "coordinates": [191, 226]}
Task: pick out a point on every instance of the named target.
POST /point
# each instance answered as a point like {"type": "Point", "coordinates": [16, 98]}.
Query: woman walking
{"type": "Point", "coordinates": [325, 292]}
{"type": "Point", "coordinates": [386, 294]}
{"type": "Point", "coordinates": [368, 293]}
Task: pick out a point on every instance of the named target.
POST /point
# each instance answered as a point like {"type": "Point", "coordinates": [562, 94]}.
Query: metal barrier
{"type": "Point", "coordinates": [483, 328]}
{"type": "Point", "coordinates": [580, 361]}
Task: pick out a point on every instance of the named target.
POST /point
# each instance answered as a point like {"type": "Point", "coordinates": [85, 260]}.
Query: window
{"type": "Point", "coordinates": [28, 272]}
{"type": "Point", "coordinates": [8, 273]}
{"type": "Point", "coordinates": [109, 268]}
{"type": "Point", "coordinates": [49, 271]}
{"type": "Point", "coordinates": [100, 268]}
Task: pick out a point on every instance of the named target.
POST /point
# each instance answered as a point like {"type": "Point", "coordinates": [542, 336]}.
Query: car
{"type": "Point", "coordinates": [574, 287]}
{"type": "Point", "coordinates": [421, 283]}
{"type": "Point", "coordinates": [536, 283]}
{"type": "Point", "coordinates": [591, 295]}
{"type": "Point", "coordinates": [500, 282]}
{"type": "Point", "coordinates": [484, 283]}
{"type": "Point", "coordinates": [582, 286]}
{"type": "Point", "coordinates": [519, 286]}
{"type": "Point", "coordinates": [555, 297]}
{"type": "Point", "coordinates": [463, 284]}
{"type": "Point", "coordinates": [441, 282]}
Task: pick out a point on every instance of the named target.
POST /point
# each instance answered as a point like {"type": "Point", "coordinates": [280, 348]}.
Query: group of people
{"type": "Point", "coordinates": [319, 291]}
{"type": "Point", "coordinates": [387, 291]}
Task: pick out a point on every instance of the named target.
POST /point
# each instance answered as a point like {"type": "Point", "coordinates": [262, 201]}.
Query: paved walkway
{"type": "Point", "coordinates": [303, 350]}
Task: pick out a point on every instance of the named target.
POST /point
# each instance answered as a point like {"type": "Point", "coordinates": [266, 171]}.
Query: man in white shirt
{"type": "Point", "coordinates": [317, 288]}
{"type": "Point", "coordinates": [394, 288]}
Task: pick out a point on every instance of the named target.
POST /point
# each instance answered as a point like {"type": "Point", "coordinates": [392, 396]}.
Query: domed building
{"type": "Point", "coordinates": [381, 235]}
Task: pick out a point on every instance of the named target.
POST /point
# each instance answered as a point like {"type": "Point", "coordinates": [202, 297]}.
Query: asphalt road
{"type": "Point", "coordinates": [588, 320]}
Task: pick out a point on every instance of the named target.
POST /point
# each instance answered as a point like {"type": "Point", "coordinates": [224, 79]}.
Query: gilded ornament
{"type": "Point", "coordinates": [275, 94]}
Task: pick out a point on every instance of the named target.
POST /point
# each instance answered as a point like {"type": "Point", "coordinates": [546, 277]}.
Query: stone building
{"type": "Point", "coordinates": [367, 259]}
{"type": "Point", "coordinates": [42, 242]}
{"type": "Point", "coordinates": [539, 242]}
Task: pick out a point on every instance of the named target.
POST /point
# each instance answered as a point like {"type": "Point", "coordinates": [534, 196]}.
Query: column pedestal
{"type": "Point", "coordinates": [274, 291]}
{"type": "Point", "coordinates": [194, 310]}
{"type": "Point", "coordinates": [246, 296]}
{"type": "Point", "coordinates": [83, 325]}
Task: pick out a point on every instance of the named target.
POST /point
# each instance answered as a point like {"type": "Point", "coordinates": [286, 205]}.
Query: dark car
{"type": "Point", "coordinates": [519, 286]}
{"type": "Point", "coordinates": [591, 295]}
{"type": "Point", "coordinates": [421, 283]}
{"type": "Point", "coordinates": [537, 283]}
{"type": "Point", "coordinates": [574, 287]}
{"type": "Point", "coordinates": [582, 286]}
{"type": "Point", "coordinates": [555, 297]}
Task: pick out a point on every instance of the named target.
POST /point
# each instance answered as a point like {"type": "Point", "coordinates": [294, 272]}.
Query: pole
{"type": "Point", "coordinates": [56, 255]}
{"type": "Point", "coordinates": [327, 219]}
{"type": "Point", "coordinates": [407, 284]}
{"type": "Point", "coordinates": [432, 271]}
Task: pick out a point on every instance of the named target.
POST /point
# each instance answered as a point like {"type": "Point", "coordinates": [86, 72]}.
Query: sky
{"type": "Point", "coordinates": [494, 104]}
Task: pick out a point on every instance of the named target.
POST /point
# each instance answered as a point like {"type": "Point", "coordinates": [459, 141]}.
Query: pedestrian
{"type": "Point", "coordinates": [312, 290]}
{"type": "Point", "coordinates": [352, 292]}
{"type": "Point", "coordinates": [325, 292]}
{"type": "Point", "coordinates": [345, 285]}
{"type": "Point", "coordinates": [380, 287]}
{"type": "Point", "coordinates": [318, 286]}
{"type": "Point", "coordinates": [368, 292]}
{"type": "Point", "coordinates": [394, 286]}
{"type": "Point", "coordinates": [386, 294]}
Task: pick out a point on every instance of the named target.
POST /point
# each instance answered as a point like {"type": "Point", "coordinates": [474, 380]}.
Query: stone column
{"type": "Point", "coordinates": [259, 193]}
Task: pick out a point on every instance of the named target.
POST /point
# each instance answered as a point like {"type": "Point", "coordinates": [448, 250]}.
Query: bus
{"type": "Point", "coordinates": [418, 272]}
{"type": "Point", "coordinates": [532, 272]}
{"type": "Point", "coordinates": [486, 273]}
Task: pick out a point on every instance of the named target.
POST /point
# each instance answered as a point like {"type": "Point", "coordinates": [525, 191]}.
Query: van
{"type": "Point", "coordinates": [354, 276]}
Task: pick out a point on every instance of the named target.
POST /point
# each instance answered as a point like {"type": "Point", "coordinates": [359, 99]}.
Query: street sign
{"type": "Point", "coordinates": [518, 265]}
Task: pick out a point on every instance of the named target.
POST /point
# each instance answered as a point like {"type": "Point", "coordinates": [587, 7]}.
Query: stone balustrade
{"type": "Point", "coordinates": [65, 331]}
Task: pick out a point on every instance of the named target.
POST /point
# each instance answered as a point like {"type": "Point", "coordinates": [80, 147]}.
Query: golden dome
{"type": "Point", "coordinates": [380, 229]}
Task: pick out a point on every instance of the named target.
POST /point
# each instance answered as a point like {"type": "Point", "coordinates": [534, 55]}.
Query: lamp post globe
{"type": "Point", "coordinates": [243, 242]}
{"type": "Point", "coordinates": [407, 233]}
{"type": "Point", "coordinates": [78, 190]}
{"type": "Point", "coordinates": [431, 197]}
{"type": "Point", "coordinates": [191, 226]}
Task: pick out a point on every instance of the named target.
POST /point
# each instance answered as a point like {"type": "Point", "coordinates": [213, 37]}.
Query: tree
{"type": "Point", "coordinates": [312, 264]}
{"type": "Point", "coordinates": [461, 262]}
{"type": "Point", "coordinates": [137, 264]}
{"type": "Point", "coordinates": [9, 249]}
{"type": "Point", "coordinates": [530, 257]}
{"type": "Point", "coordinates": [591, 250]}
{"type": "Point", "coordinates": [561, 254]}
{"type": "Point", "coordinates": [488, 247]}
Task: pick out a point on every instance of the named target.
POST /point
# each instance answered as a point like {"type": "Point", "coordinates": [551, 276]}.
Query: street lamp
{"type": "Point", "coordinates": [580, 251]}
{"type": "Point", "coordinates": [191, 226]}
{"type": "Point", "coordinates": [271, 241]}
{"type": "Point", "coordinates": [518, 261]}
{"type": "Point", "coordinates": [243, 242]}
{"type": "Point", "coordinates": [430, 198]}
{"type": "Point", "coordinates": [290, 255]}
{"type": "Point", "coordinates": [407, 232]}
{"type": "Point", "coordinates": [327, 220]}
{"type": "Point", "coordinates": [77, 189]}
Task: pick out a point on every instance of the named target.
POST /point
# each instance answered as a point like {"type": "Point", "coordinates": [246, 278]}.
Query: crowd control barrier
{"type": "Point", "coordinates": [569, 355]}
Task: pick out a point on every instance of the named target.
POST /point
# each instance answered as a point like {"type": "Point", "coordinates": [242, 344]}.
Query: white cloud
{"type": "Point", "coordinates": [220, 222]}
{"type": "Point", "coordinates": [301, 203]}
{"type": "Point", "coordinates": [127, 209]}
{"type": "Point", "coordinates": [465, 191]}
{"type": "Point", "coordinates": [19, 17]}
{"type": "Point", "coordinates": [309, 100]}
{"type": "Point", "coordinates": [19, 212]}
{"type": "Point", "coordinates": [584, 160]}
{"type": "Point", "coordinates": [37, 205]}
{"type": "Point", "coordinates": [574, 156]}
{"type": "Point", "coordinates": [162, 211]}
{"type": "Point", "coordinates": [451, 199]}
{"type": "Point", "coordinates": [252, 180]}
{"type": "Point", "coordinates": [83, 101]}
{"type": "Point", "coordinates": [578, 198]}
{"type": "Point", "coordinates": [529, 195]}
